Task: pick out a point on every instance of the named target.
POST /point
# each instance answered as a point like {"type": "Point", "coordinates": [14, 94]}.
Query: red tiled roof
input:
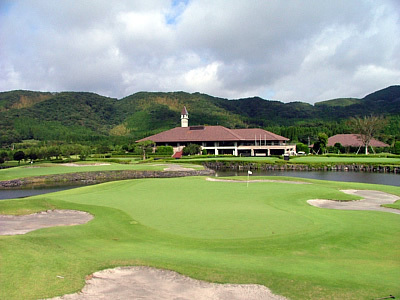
{"type": "Point", "coordinates": [352, 140]}
{"type": "Point", "coordinates": [250, 134]}
{"type": "Point", "coordinates": [211, 134]}
{"type": "Point", "coordinates": [184, 111]}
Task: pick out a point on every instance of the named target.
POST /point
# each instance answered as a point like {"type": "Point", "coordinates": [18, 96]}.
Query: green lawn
{"type": "Point", "coordinates": [217, 231]}
{"type": "Point", "coordinates": [50, 169]}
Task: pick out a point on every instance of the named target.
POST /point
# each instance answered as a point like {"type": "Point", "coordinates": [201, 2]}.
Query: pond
{"type": "Point", "coordinates": [22, 193]}
{"type": "Point", "coordinates": [365, 177]}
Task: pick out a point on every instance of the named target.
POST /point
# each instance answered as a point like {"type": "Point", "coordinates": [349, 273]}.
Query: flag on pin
{"type": "Point", "coordinates": [249, 172]}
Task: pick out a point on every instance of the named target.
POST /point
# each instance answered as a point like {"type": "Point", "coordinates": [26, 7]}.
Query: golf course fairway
{"type": "Point", "coordinates": [226, 232]}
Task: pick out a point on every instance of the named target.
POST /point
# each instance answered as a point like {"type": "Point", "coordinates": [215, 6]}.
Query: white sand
{"type": "Point", "coordinates": [150, 283]}
{"type": "Point", "coordinates": [12, 225]}
{"type": "Point", "coordinates": [372, 201]}
{"type": "Point", "coordinates": [84, 165]}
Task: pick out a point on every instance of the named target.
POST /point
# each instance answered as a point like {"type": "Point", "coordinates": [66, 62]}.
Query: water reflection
{"type": "Point", "coordinates": [13, 194]}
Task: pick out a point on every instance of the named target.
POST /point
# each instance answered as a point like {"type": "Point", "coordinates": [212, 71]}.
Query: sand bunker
{"type": "Point", "coordinates": [12, 225]}
{"type": "Point", "coordinates": [257, 180]}
{"type": "Point", "coordinates": [150, 283]}
{"type": "Point", "coordinates": [372, 201]}
{"type": "Point", "coordinates": [173, 167]}
{"type": "Point", "coordinates": [84, 165]}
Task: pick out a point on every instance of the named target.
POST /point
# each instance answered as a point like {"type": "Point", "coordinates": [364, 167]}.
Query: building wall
{"type": "Point", "coordinates": [242, 150]}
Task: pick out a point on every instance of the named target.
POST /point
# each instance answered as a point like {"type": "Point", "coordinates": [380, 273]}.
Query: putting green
{"type": "Point", "coordinates": [193, 207]}
{"type": "Point", "coordinates": [265, 233]}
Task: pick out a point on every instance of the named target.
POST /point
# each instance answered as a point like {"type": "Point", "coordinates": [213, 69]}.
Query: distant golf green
{"type": "Point", "coordinates": [265, 233]}
{"type": "Point", "coordinates": [51, 169]}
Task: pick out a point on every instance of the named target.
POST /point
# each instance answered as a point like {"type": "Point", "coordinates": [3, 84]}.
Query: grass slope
{"type": "Point", "coordinates": [215, 231]}
{"type": "Point", "coordinates": [339, 102]}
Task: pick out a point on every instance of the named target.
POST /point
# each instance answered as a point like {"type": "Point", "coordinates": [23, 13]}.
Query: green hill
{"type": "Point", "coordinates": [145, 112]}
{"type": "Point", "coordinates": [21, 99]}
{"type": "Point", "coordinates": [61, 116]}
{"type": "Point", "coordinates": [81, 116]}
{"type": "Point", "coordinates": [339, 102]}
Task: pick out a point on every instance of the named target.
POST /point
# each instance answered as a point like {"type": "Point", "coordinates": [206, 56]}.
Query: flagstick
{"type": "Point", "coordinates": [248, 177]}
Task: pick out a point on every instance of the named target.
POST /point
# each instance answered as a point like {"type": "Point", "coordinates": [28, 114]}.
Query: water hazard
{"type": "Point", "coordinates": [22, 193]}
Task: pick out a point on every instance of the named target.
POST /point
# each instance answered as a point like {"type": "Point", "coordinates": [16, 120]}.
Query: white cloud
{"type": "Point", "coordinates": [291, 50]}
{"type": "Point", "coordinates": [203, 78]}
{"type": "Point", "coordinates": [9, 77]}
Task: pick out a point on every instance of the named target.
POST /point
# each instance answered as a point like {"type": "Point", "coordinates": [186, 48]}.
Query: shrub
{"type": "Point", "coordinates": [19, 155]}
{"type": "Point", "coordinates": [302, 147]}
{"type": "Point", "coordinates": [164, 150]}
{"type": "Point", "coordinates": [396, 148]}
{"type": "Point", "coordinates": [191, 149]}
{"type": "Point", "coordinates": [4, 155]}
{"type": "Point", "coordinates": [338, 148]}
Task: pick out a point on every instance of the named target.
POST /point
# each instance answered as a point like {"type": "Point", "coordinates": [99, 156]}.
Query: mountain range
{"type": "Point", "coordinates": [89, 117]}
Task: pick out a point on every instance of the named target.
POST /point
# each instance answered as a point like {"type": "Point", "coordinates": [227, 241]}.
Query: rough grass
{"type": "Point", "coordinates": [50, 169]}
{"type": "Point", "coordinates": [215, 231]}
{"type": "Point", "coordinates": [395, 205]}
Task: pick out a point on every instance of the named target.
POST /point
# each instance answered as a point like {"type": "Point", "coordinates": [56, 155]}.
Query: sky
{"type": "Point", "coordinates": [287, 50]}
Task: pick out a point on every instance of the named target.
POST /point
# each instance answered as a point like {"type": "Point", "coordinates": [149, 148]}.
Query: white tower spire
{"type": "Point", "coordinates": [184, 117]}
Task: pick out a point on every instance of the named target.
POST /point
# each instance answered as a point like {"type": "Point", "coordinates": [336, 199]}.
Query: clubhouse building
{"type": "Point", "coordinates": [218, 140]}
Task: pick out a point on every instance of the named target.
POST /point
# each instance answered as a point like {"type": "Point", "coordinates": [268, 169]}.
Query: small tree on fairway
{"type": "Point", "coordinates": [19, 155]}
{"type": "Point", "coordinates": [320, 145]}
{"type": "Point", "coordinates": [84, 152]}
{"type": "Point", "coordinates": [32, 156]}
{"type": "Point", "coordinates": [144, 147]}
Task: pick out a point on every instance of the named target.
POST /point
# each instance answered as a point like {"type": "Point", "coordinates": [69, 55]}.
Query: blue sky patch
{"type": "Point", "coordinates": [177, 8]}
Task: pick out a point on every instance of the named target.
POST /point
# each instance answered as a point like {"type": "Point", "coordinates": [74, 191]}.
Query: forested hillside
{"type": "Point", "coordinates": [91, 118]}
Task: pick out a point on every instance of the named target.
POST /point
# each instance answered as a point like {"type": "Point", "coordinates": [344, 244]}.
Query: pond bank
{"type": "Point", "coordinates": [237, 166]}
{"type": "Point", "coordinates": [85, 178]}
